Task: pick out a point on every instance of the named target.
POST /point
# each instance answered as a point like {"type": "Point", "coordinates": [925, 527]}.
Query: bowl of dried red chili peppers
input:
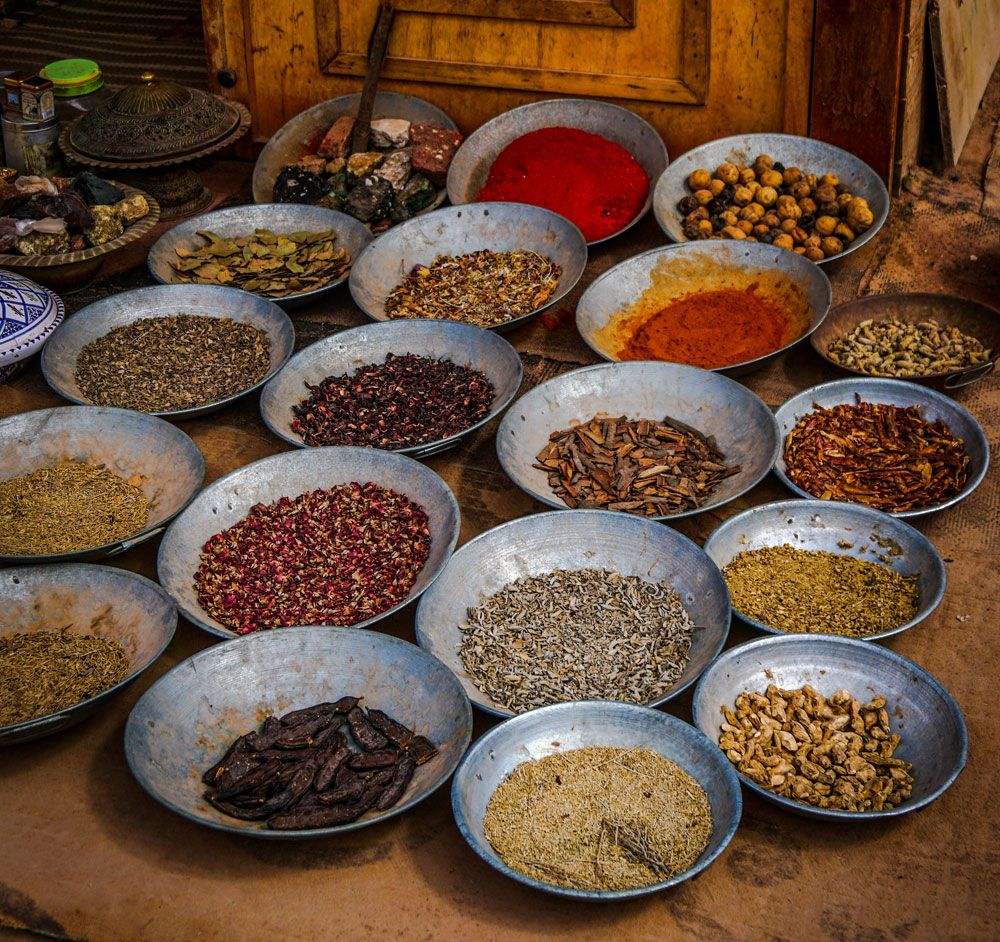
{"type": "Point", "coordinates": [888, 444]}
{"type": "Point", "coordinates": [369, 386]}
{"type": "Point", "coordinates": [325, 536]}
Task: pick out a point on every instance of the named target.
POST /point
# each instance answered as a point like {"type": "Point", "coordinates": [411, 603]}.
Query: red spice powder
{"type": "Point", "coordinates": [596, 184]}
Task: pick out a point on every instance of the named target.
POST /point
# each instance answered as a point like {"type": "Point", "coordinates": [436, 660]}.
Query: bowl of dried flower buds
{"type": "Point", "coordinates": [832, 728]}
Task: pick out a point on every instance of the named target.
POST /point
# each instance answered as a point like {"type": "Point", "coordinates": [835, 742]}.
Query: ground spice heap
{"type": "Point", "coordinates": [329, 557]}
{"type": "Point", "coordinates": [599, 818]}
{"type": "Point", "coordinates": [637, 465]}
{"type": "Point", "coordinates": [407, 400]}
{"type": "Point", "coordinates": [43, 672]}
{"type": "Point", "coordinates": [830, 752]}
{"type": "Point", "coordinates": [594, 183]}
{"type": "Point", "coordinates": [876, 454]}
{"type": "Point", "coordinates": [587, 634]}
{"type": "Point", "coordinates": [811, 590]}
{"type": "Point", "coordinates": [67, 507]}
{"type": "Point", "coordinates": [482, 288]}
{"type": "Point", "coordinates": [165, 364]}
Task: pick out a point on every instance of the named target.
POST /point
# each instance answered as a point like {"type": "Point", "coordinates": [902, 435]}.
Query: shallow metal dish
{"type": "Point", "coordinates": [458, 230]}
{"type": "Point", "coordinates": [128, 443]}
{"type": "Point", "coordinates": [809, 155]}
{"type": "Point", "coordinates": [697, 266]}
{"type": "Point", "coordinates": [281, 218]}
{"type": "Point", "coordinates": [60, 354]}
{"type": "Point", "coordinates": [742, 425]}
{"type": "Point", "coordinates": [807, 525]}
{"type": "Point", "coordinates": [933, 405]}
{"type": "Point", "coordinates": [925, 715]}
{"type": "Point", "coordinates": [352, 349]}
{"type": "Point", "coordinates": [229, 499]}
{"type": "Point", "coordinates": [301, 135]}
{"type": "Point", "coordinates": [471, 166]}
{"type": "Point", "coordinates": [564, 726]}
{"type": "Point", "coordinates": [190, 716]}
{"type": "Point", "coordinates": [971, 317]}
{"type": "Point", "coordinates": [586, 539]}
{"type": "Point", "coordinates": [85, 600]}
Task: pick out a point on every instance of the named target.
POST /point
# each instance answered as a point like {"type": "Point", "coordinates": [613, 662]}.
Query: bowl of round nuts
{"type": "Point", "coordinates": [793, 192]}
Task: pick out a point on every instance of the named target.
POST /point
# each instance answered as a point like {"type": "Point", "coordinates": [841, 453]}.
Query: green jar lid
{"type": "Point", "coordinates": [73, 76]}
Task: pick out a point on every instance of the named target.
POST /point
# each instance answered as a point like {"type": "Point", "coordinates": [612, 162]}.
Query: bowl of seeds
{"type": "Point", "coordinates": [416, 387]}
{"type": "Point", "coordinates": [832, 728]}
{"type": "Point", "coordinates": [86, 482]}
{"type": "Point", "coordinates": [895, 446]}
{"type": "Point", "coordinates": [660, 440]}
{"type": "Point", "coordinates": [73, 634]}
{"type": "Point", "coordinates": [585, 606]}
{"type": "Point", "coordinates": [795, 566]}
{"type": "Point", "coordinates": [596, 801]}
{"type": "Point", "coordinates": [489, 264]}
{"type": "Point", "coordinates": [176, 351]}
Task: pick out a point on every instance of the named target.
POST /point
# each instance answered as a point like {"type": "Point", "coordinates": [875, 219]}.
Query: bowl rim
{"type": "Point", "coordinates": [863, 511]}
{"type": "Point", "coordinates": [413, 451]}
{"type": "Point", "coordinates": [148, 585]}
{"type": "Point", "coordinates": [551, 501]}
{"type": "Point", "coordinates": [802, 808]}
{"type": "Point", "coordinates": [906, 391]}
{"type": "Point", "coordinates": [876, 181]}
{"type": "Point", "coordinates": [403, 805]}
{"type": "Point", "coordinates": [198, 617]}
{"type": "Point", "coordinates": [456, 211]}
{"type": "Point", "coordinates": [671, 723]}
{"type": "Point", "coordinates": [133, 316]}
{"type": "Point", "coordinates": [663, 250]}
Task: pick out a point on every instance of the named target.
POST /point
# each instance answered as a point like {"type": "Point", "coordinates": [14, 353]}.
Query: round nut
{"type": "Point", "coordinates": [698, 179]}
{"type": "Point", "coordinates": [831, 246]}
{"type": "Point", "coordinates": [734, 232]}
{"type": "Point", "coordinates": [783, 241]}
{"type": "Point", "coordinates": [825, 225]}
{"type": "Point", "coordinates": [728, 172]}
{"type": "Point", "coordinates": [772, 179]}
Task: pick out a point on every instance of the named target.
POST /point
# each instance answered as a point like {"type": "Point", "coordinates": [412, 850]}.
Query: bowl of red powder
{"type": "Point", "coordinates": [719, 305]}
{"type": "Point", "coordinates": [592, 162]}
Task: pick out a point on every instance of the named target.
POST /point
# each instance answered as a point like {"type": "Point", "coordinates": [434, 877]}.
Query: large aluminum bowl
{"type": "Point", "coordinates": [586, 539]}
{"type": "Point", "coordinates": [85, 600]}
{"type": "Point", "coordinates": [228, 500]}
{"type": "Point", "coordinates": [742, 425]}
{"type": "Point", "coordinates": [648, 282]}
{"type": "Point", "coordinates": [190, 716]}
{"type": "Point", "coordinates": [281, 218]}
{"type": "Point", "coordinates": [806, 153]}
{"type": "Point", "coordinates": [458, 230]}
{"type": "Point", "coordinates": [60, 354]}
{"type": "Point", "coordinates": [566, 726]}
{"type": "Point", "coordinates": [170, 465]}
{"type": "Point", "coordinates": [348, 351]}
{"type": "Point", "coordinates": [932, 405]}
{"type": "Point", "coordinates": [921, 711]}
{"type": "Point", "coordinates": [834, 527]}
{"type": "Point", "coordinates": [471, 166]}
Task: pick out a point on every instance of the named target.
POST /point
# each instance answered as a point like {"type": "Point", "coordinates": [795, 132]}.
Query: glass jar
{"type": "Point", "coordinates": [78, 86]}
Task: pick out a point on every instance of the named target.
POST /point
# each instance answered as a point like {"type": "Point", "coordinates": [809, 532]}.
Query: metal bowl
{"type": "Point", "coordinates": [352, 349]}
{"type": "Point", "coordinates": [85, 600]}
{"type": "Point", "coordinates": [809, 155]}
{"type": "Point", "coordinates": [229, 499]}
{"type": "Point", "coordinates": [243, 220]}
{"type": "Point", "coordinates": [933, 405]}
{"type": "Point", "coordinates": [971, 317]}
{"type": "Point", "coordinates": [170, 465]}
{"type": "Point", "coordinates": [921, 711]}
{"type": "Point", "coordinates": [872, 536]}
{"type": "Point", "coordinates": [301, 135]}
{"type": "Point", "coordinates": [457, 230]}
{"type": "Point", "coordinates": [60, 354]}
{"type": "Point", "coordinates": [648, 282]}
{"type": "Point", "coordinates": [586, 539]}
{"type": "Point", "coordinates": [189, 717]}
{"type": "Point", "coordinates": [719, 407]}
{"type": "Point", "coordinates": [564, 726]}
{"type": "Point", "coordinates": [471, 166]}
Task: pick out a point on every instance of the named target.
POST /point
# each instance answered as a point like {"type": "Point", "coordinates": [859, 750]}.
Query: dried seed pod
{"type": "Point", "coordinates": [783, 241]}
{"type": "Point", "coordinates": [728, 172]}
{"type": "Point", "coordinates": [831, 246]}
{"type": "Point", "coordinates": [734, 232]}
{"type": "Point", "coordinates": [704, 197]}
{"type": "Point", "coordinates": [763, 163]}
{"type": "Point", "coordinates": [698, 179]}
{"type": "Point", "coordinates": [716, 186]}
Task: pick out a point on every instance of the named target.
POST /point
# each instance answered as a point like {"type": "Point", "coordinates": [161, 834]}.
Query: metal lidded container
{"type": "Point", "coordinates": [31, 147]}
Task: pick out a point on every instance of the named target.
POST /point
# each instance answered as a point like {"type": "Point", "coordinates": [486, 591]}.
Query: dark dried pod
{"type": "Point", "coordinates": [687, 205]}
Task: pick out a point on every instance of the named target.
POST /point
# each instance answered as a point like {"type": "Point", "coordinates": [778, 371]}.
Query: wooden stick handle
{"type": "Point", "coordinates": [376, 55]}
